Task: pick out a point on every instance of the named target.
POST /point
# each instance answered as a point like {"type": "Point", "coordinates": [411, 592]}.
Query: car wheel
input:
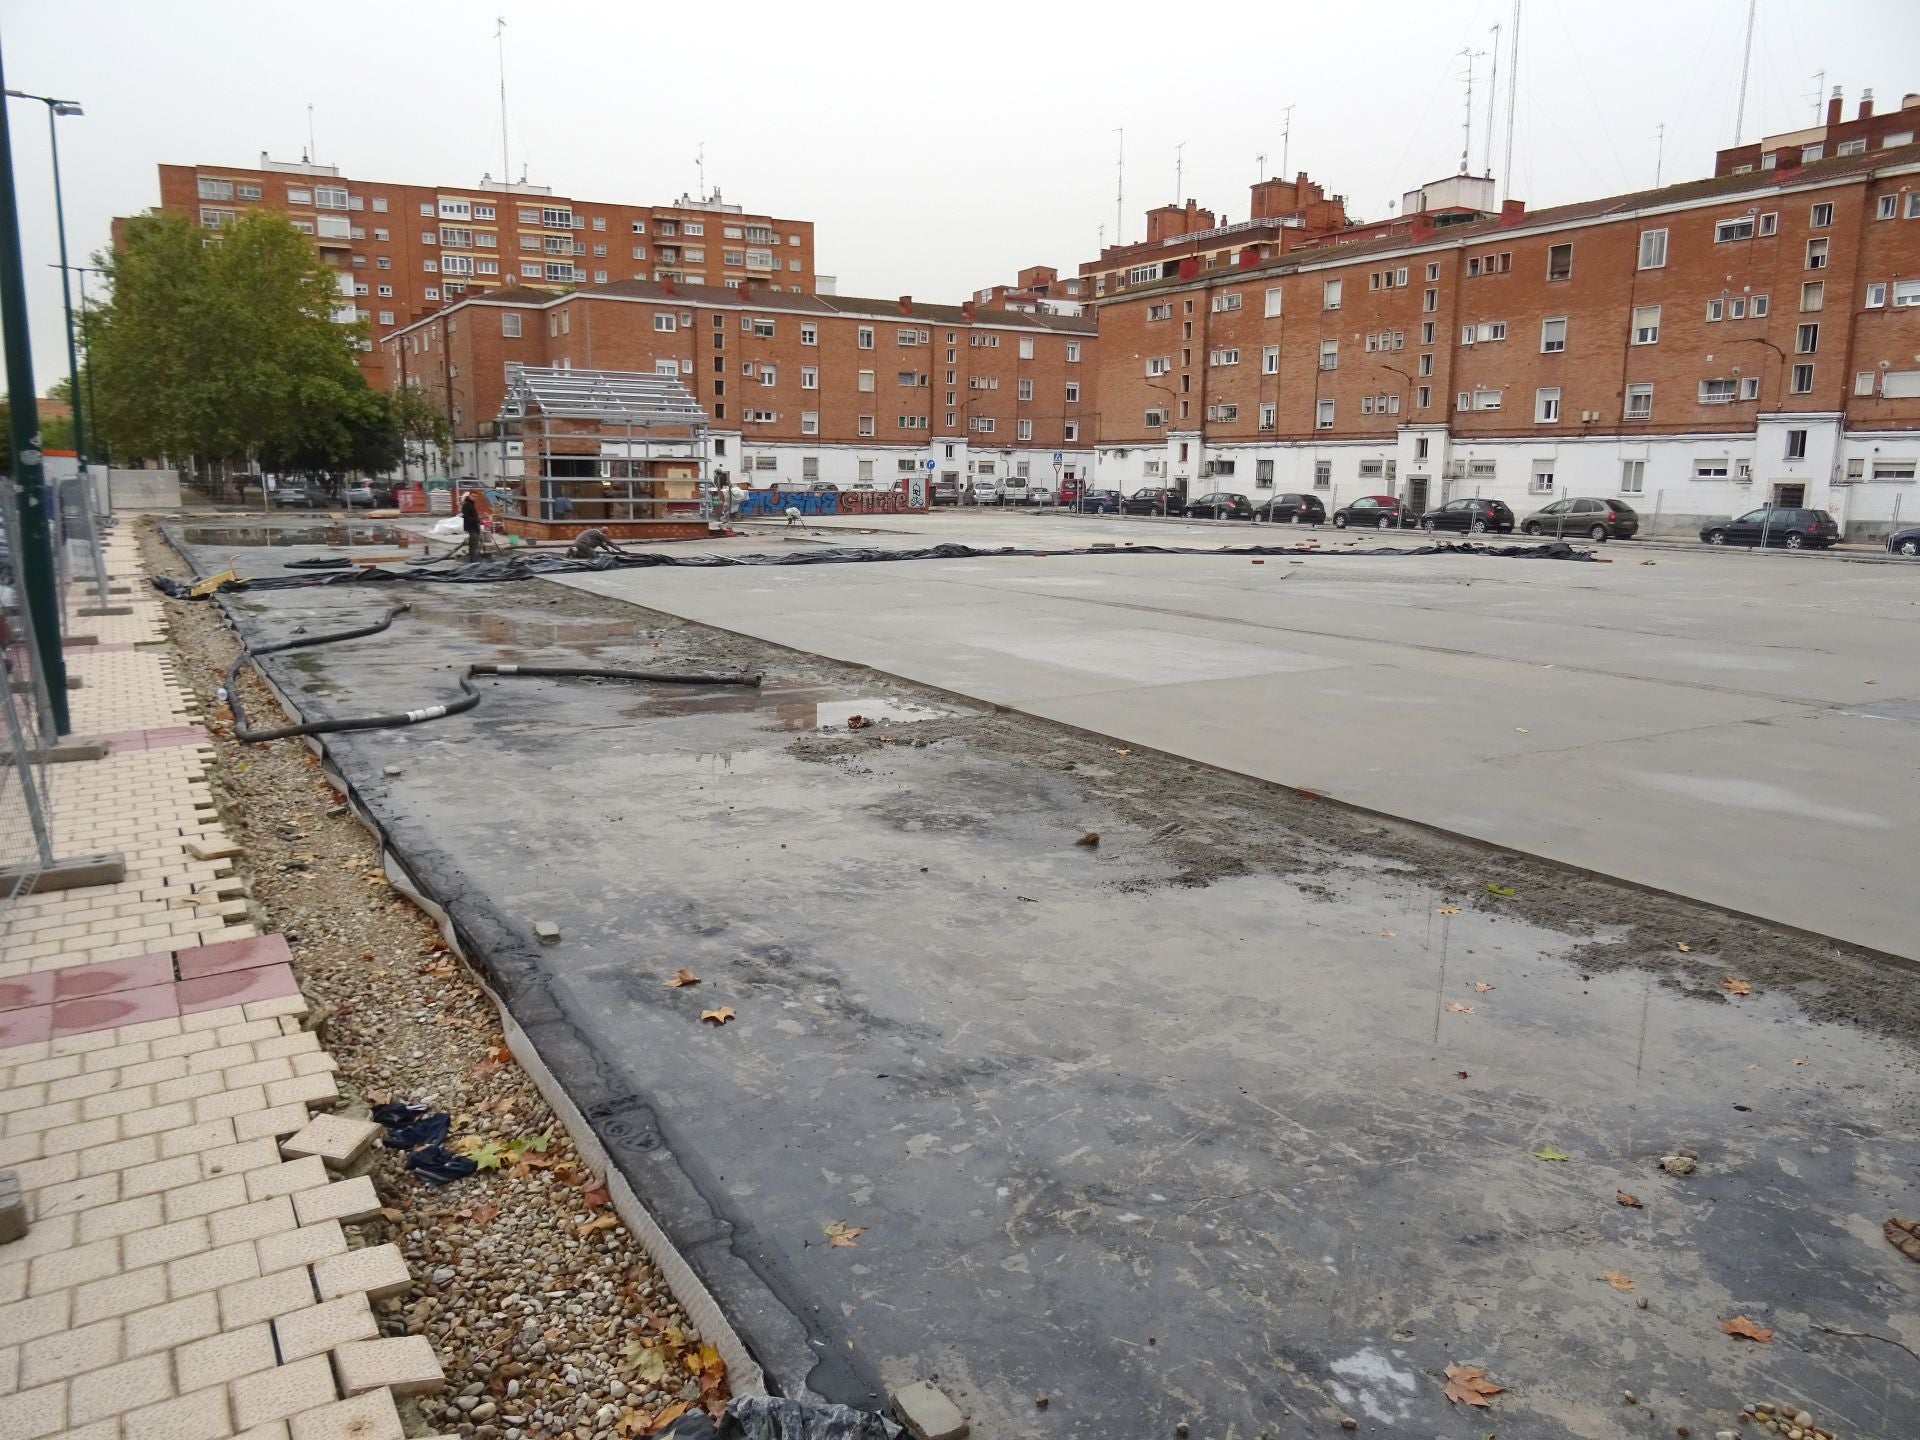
{"type": "Point", "coordinates": [1479, 527]}
{"type": "Point", "coordinates": [1429, 526]}
{"type": "Point", "coordinates": [1532, 529]}
{"type": "Point", "coordinates": [1386, 524]}
{"type": "Point", "coordinates": [1597, 533]}
{"type": "Point", "coordinates": [1340, 522]}
{"type": "Point", "coordinates": [1716, 537]}
{"type": "Point", "coordinates": [1294, 519]}
{"type": "Point", "coordinates": [1910, 547]}
{"type": "Point", "coordinates": [1795, 540]}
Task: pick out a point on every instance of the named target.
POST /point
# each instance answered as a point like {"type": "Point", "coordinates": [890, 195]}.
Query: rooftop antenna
{"type": "Point", "coordinates": [1493, 98]}
{"type": "Point", "coordinates": [500, 45]}
{"type": "Point", "coordinates": [1466, 127]}
{"type": "Point", "coordinates": [1513, 85]}
{"type": "Point", "coordinates": [313, 150]}
{"type": "Point", "coordinates": [1120, 189]}
{"type": "Point", "coordinates": [700, 164]}
{"type": "Point", "coordinates": [1260, 167]}
{"type": "Point", "coordinates": [1660, 151]}
{"type": "Point", "coordinates": [1179, 171]}
{"type": "Point", "coordinates": [1286, 139]}
{"type": "Point", "coordinates": [1819, 93]}
{"type": "Point", "coordinates": [1746, 64]}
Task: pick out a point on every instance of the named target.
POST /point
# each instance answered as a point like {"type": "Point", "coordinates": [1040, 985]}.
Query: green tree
{"type": "Point", "coordinates": [421, 423]}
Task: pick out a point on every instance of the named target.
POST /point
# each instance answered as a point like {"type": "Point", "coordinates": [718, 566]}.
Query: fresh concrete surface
{"type": "Point", "coordinates": [1740, 728]}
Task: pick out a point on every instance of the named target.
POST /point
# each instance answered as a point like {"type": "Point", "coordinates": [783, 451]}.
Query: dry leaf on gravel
{"type": "Point", "coordinates": [1618, 1279]}
{"type": "Point", "coordinates": [1468, 1385]}
{"type": "Point", "coordinates": [1903, 1235]}
{"type": "Point", "coordinates": [842, 1236]}
{"type": "Point", "coordinates": [595, 1196]}
{"type": "Point", "coordinates": [1091, 839]}
{"type": "Point", "coordinates": [717, 1017]}
{"type": "Point", "coordinates": [484, 1215]}
{"type": "Point", "coordinates": [683, 976]}
{"type": "Point", "coordinates": [1389, 934]}
{"type": "Point", "coordinates": [1551, 1152]}
{"type": "Point", "coordinates": [1482, 986]}
{"type": "Point", "coordinates": [1736, 987]}
{"type": "Point", "coordinates": [1449, 909]}
{"type": "Point", "coordinates": [1458, 1009]}
{"type": "Point", "coordinates": [663, 1418]}
{"type": "Point", "coordinates": [1632, 1202]}
{"type": "Point", "coordinates": [1683, 947]}
{"type": "Point", "coordinates": [1740, 1327]}
{"type": "Point", "coordinates": [599, 1222]}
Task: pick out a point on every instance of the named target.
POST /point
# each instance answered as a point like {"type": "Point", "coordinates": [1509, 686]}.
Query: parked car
{"type": "Point", "coordinates": [1480, 516]}
{"type": "Point", "coordinates": [297, 495]}
{"type": "Point", "coordinates": [1152, 500]}
{"type": "Point", "coordinates": [945, 491]}
{"type": "Point", "coordinates": [1013, 491]}
{"type": "Point", "coordinates": [1595, 519]}
{"type": "Point", "coordinates": [1904, 542]}
{"type": "Point", "coordinates": [1041, 492]}
{"type": "Point", "coordinates": [1791, 526]}
{"type": "Point", "coordinates": [1098, 502]}
{"type": "Point", "coordinates": [358, 496]}
{"type": "Point", "coordinates": [1220, 505]}
{"type": "Point", "coordinates": [1295, 509]}
{"type": "Point", "coordinates": [986, 490]}
{"type": "Point", "coordinates": [1379, 512]}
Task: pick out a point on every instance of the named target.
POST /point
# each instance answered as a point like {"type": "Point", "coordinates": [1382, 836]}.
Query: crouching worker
{"type": "Point", "coordinates": [589, 543]}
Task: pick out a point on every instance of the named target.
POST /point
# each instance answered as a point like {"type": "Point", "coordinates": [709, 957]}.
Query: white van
{"type": "Point", "coordinates": [1013, 491]}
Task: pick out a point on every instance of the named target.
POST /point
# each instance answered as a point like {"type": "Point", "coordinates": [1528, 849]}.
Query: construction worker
{"type": "Point", "coordinates": [470, 522]}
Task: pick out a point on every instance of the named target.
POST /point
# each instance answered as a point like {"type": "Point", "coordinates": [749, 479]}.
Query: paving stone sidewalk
{"type": "Point", "coordinates": [185, 1274]}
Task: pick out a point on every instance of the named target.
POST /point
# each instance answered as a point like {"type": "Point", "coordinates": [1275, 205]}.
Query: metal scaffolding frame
{"type": "Point", "coordinates": [605, 424]}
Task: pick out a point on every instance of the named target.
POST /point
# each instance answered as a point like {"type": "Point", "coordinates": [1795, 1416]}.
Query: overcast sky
{"type": "Point", "coordinates": [937, 147]}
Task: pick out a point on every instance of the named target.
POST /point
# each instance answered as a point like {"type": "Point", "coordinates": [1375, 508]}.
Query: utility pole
{"type": "Point", "coordinates": [1493, 98]}
{"type": "Point", "coordinates": [1179, 171]}
{"type": "Point", "coordinates": [500, 47]}
{"type": "Point", "coordinates": [1466, 125]}
{"type": "Point", "coordinates": [1286, 140]}
{"type": "Point", "coordinates": [35, 562]}
{"type": "Point", "coordinates": [313, 148]}
{"type": "Point", "coordinates": [1513, 86]}
{"type": "Point", "coordinates": [1120, 189]}
{"type": "Point", "coordinates": [1746, 64]}
{"type": "Point", "coordinates": [700, 165]}
{"type": "Point", "coordinates": [1660, 151]}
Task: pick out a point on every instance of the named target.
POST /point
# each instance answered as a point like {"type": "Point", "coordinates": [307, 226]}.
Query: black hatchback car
{"type": "Point", "coordinates": [1372, 512]}
{"type": "Point", "coordinates": [1904, 542]}
{"type": "Point", "coordinates": [1220, 505]}
{"type": "Point", "coordinates": [1791, 526]}
{"type": "Point", "coordinates": [1152, 500]}
{"type": "Point", "coordinates": [1296, 509]}
{"type": "Point", "coordinates": [1098, 502]}
{"type": "Point", "coordinates": [1479, 516]}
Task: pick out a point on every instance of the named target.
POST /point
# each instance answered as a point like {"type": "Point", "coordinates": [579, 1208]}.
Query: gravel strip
{"type": "Point", "coordinates": [548, 1317]}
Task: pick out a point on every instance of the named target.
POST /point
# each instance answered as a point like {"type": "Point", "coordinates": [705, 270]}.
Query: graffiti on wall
{"type": "Point", "coordinates": [825, 502]}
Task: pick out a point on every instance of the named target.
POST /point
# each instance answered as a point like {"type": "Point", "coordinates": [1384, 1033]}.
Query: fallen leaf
{"type": "Point", "coordinates": [484, 1215]}
{"type": "Point", "coordinates": [1753, 1067]}
{"type": "Point", "coordinates": [1389, 934]}
{"type": "Point", "coordinates": [1090, 839]}
{"type": "Point", "coordinates": [1522, 730]}
{"type": "Point", "coordinates": [599, 1222]}
{"type": "Point", "coordinates": [1618, 1279]}
{"type": "Point", "coordinates": [1468, 1385]}
{"type": "Point", "coordinates": [1123, 752]}
{"type": "Point", "coordinates": [1457, 1008]}
{"type": "Point", "coordinates": [661, 1419]}
{"type": "Point", "coordinates": [645, 1363]}
{"type": "Point", "coordinates": [1551, 1152]}
{"type": "Point", "coordinates": [1502, 891]}
{"type": "Point", "coordinates": [1903, 1235]}
{"type": "Point", "coordinates": [379, 1097]}
{"type": "Point", "coordinates": [842, 1236]}
{"type": "Point", "coordinates": [595, 1196]}
{"type": "Point", "coordinates": [1683, 947]}
{"type": "Point", "coordinates": [487, 1156]}
{"type": "Point", "coordinates": [1632, 1202]}
{"type": "Point", "coordinates": [1736, 987]}
{"type": "Point", "coordinates": [683, 976]}
{"type": "Point", "coordinates": [392, 1214]}
{"type": "Point", "coordinates": [1461, 1075]}
{"type": "Point", "coordinates": [1741, 1327]}
{"type": "Point", "coordinates": [717, 1017]}
{"type": "Point", "coordinates": [1449, 909]}
{"type": "Point", "coordinates": [1482, 986]}
{"type": "Point", "coordinates": [1869, 682]}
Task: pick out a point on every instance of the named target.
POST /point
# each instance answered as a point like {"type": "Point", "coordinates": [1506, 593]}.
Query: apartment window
{"type": "Point", "coordinates": [1424, 396]}
{"type": "Point", "coordinates": [331, 197]}
{"type": "Point", "coordinates": [1323, 415]}
{"type": "Point", "coordinates": [380, 232]}
{"type": "Point", "coordinates": [1154, 419]}
{"type": "Point", "coordinates": [1888, 208]}
{"type": "Point", "coordinates": [1553, 335]}
{"type": "Point", "coordinates": [1073, 392]}
{"type": "Point", "coordinates": [1646, 320]}
{"type": "Point", "coordinates": [866, 380]}
{"type": "Point", "coordinates": [1758, 307]}
{"type": "Point", "coordinates": [1542, 483]}
{"type": "Point", "coordinates": [215, 189]}
{"type": "Point", "coordinates": [1749, 387]}
{"type": "Point", "coordinates": [385, 292]}
{"type": "Point", "coordinates": [1330, 295]}
{"type": "Point", "coordinates": [1806, 340]}
{"type": "Point", "coordinates": [1026, 390]}
{"type": "Point", "coordinates": [360, 288]}
{"type": "Point", "coordinates": [1712, 469]}
{"type": "Point", "coordinates": [1269, 359]}
{"type": "Point", "coordinates": [760, 327]}
{"type": "Point", "coordinates": [1269, 415]}
{"type": "Point", "coordinates": [1639, 402]}
{"type": "Point", "coordinates": [865, 427]}
{"type": "Point", "coordinates": [1024, 430]}
{"type": "Point", "coordinates": [1223, 412]}
{"type": "Point", "coordinates": [1897, 139]}
{"type": "Point", "coordinates": [1483, 399]}
{"type": "Point", "coordinates": [1863, 382]}
{"type": "Point", "coordinates": [380, 205]}
{"type": "Point", "coordinates": [1802, 380]}
{"type": "Point", "coordinates": [1274, 295]}
{"type": "Point", "coordinates": [1229, 300]}
{"type": "Point", "coordinates": [432, 292]}
{"type": "Point", "coordinates": [1322, 474]}
{"type": "Point", "coordinates": [1813, 295]}
{"type": "Point", "coordinates": [1653, 249]}
{"type": "Point", "coordinates": [1876, 295]}
{"type": "Point", "coordinates": [1906, 293]}
{"type": "Point", "coordinates": [1822, 216]}
{"type": "Point", "coordinates": [1229, 356]}
{"type": "Point", "coordinates": [1770, 222]}
{"type": "Point", "coordinates": [1717, 392]}
{"type": "Point", "coordinates": [665, 322]}
{"type": "Point", "coordinates": [769, 375]}
{"type": "Point", "coordinates": [1893, 469]}
{"type": "Point", "coordinates": [1329, 355]}
{"type": "Point", "coordinates": [532, 270]}
{"type": "Point", "coordinates": [1796, 445]}
{"type": "Point", "coordinates": [1546, 405]}
{"type": "Point", "coordinates": [1070, 434]}
{"type": "Point", "coordinates": [639, 251]}
{"type": "Point", "coordinates": [809, 422]}
{"type": "Point", "coordinates": [1716, 309]}
{"type": "Point", "coordinates": [1429, 301]}
{"type": "Point", "coordinates": [1073, 352]}
{"type": "Point", "coordinates": [431, 266]}
{"type": "Point", "coordinates": [1852, 147]}
{"type": "Point", "coordinates": [1559, 262]}
{"type": "Point", "coordinates": [1159, 364]}
{"type": "Point", "coordinates": [1811, 153]}
{"type": "Point", "coordinates": [865, 337]}
{"type": "Point", "coordinates": [1633, 477]}
{"type": "Point", "coordinates": [296, 196]}
{"type": "Point", "coordinates": [1725, 230]}
{"type": "Point", "coordinates": [1817, 254]}
{"type": "Point", "coordinates": [510, 324]}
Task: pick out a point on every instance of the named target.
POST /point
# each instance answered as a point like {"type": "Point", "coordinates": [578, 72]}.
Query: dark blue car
{"type": "Point", "coordinates": [1904, 542]}
{"type": "Point", "coordinates": [1098, 502]}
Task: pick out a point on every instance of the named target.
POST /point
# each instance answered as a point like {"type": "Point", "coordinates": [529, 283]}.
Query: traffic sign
{"type": "Point", "coordinates": [1058, 457]}
{"type": "Point", "coordinates": [931, 464]}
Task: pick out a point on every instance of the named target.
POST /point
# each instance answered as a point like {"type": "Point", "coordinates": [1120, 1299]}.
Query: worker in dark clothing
{"type": "Point", "coordinates": [470, 522]}
{"type": "Point", "coordinates": [589, 543]}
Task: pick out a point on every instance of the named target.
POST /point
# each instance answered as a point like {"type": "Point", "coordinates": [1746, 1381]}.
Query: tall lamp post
{"type": "Point", "coordinates": [56, 109]}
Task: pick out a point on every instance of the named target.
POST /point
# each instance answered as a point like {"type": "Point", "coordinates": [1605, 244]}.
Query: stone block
{"type": "Point", "coordinates": [365, 1417]}
{"type": "Point", "coordinates": [927, 1412]}
{"type": "Point", "coordinates": [304, 1386]}
{"type": "Point", "coordinates": [345, 1200]}
{"type": "Point", "coordinates": [318, 1328]}
{"type": "Point", "coordinates": [405, 1365]}
{"type": "Point", "coordinates": [336, 1139]}
{"type": "Point", "coordinates": [378, 1271]}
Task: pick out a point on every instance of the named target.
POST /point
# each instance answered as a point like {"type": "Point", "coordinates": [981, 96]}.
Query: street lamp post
{"type": "Point", "coordinates": [56, 109]}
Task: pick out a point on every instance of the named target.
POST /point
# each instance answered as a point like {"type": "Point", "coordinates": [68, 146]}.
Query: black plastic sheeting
{"type": "Point", "coordinates": [772, 1417]}
{"type": "Point", "coordinates": [528, 567]}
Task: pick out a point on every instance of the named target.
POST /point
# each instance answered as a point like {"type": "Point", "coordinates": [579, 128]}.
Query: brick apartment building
{"type": "Point", "coordinates": [1698, 349]}
{"type": "Point", "coordinates": [797, 387]}
{"type": "Point", "coordinates": [403, 251]}
{"type": "Point", "coordinates": [1835, 139]}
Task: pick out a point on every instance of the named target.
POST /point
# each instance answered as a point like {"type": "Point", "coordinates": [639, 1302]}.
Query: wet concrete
{"type": "Point", "coordinates": [1171, 1128]}
{"type": "Point", "coordinates": [333, 535]}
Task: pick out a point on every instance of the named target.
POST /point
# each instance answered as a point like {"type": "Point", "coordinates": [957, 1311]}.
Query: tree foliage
{"type": "Point", "coordinates": [226, 347]}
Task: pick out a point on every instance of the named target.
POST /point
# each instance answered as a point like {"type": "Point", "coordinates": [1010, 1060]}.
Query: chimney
{"type": "Point", "coordinates": [1866, 105]}
{"type": "Point", "coordinates": [1910, 102]}
{"type": "Point", "coordinates": [1833, 107]}
{"type": "Point", "coordinates": [1512, 212]}
{"type": "Point", "coordinates": [666, 284]}
{"type": "Point", "coordinates": [1189, 267]}
{"type": "Point", "coordinates": [906, 304]}
{"type": "Point", "coordinates": [967, 311]}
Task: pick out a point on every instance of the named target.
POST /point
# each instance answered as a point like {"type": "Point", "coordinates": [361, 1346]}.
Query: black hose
{"type": "Point", "coordinates": [469, 697]}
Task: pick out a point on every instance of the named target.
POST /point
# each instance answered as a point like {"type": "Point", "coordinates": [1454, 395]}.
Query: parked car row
{"type": "Point", "coordinates": [1795, 527]}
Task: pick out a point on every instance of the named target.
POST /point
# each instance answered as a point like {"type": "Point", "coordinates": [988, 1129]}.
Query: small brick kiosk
{"type": "Point", "coordinates": [614, 450]}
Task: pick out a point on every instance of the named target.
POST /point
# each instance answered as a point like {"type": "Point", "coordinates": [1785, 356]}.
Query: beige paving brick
{"type": "Point", "coordinates": [54, 1233]}
{"type": "Point", "coordinates": [33, 1413]}
{"type": "Point", "coordinates": [149, 1029]}
{"type": "Point", "coordinates": [303, 1042]}
{"type": "Point", "coordinates": [239, 1158]}
{"type": "Point", "coordinates": [260, 1072]}
{"type": "Point", "coordinates": [206, 1197]}
{"type": "Point", "coordinates": [38, 1071]}
{"type": "Point", "coordinates": [223, 1357]}
{"type": "Point", "coordinates": [66, 1268]}
{"type": "Point", "coordinates": [13, 1281]}
{"type": "Point", "coordinates": [252, 1220]}
{"type": "Point", "coordinates": [39, 1315]}
{"type": "Point", "coordinates": [275, 1121]}
{"type": "Point", "coordinates": [288, 1390]}
{"type": "Point", "coordinates": [294, 1248]}
{"type": "Point", "coordinates": [189, 1087]}
{"type": "Point", "coordinates": [247, 1031]}
{"type": "Point", "coordinates": [248, 1302]}
{"type": "Point", "coordinates": [157, 1118]}
{"type": "Point", "coordinates": [318, 1328]}
{"type": "Point", "coordinates": [281, 1005]}
{"type": "Point", "coordinates": [20, 1096]}
{"type": "Point", "coordinates": [365, 1417]}
{"type": "Point", "coordinates": [176, 1323]}
{"type": "Point", "coordinates": [62, 1138]}
{"type": "Point", "coordinates": [213, 1019]}
{"type": "Point", "coordinates": [285, 1179]}
{"type": "Point", "coordinates": [212, 1269]}
{"type": "Point", "coordinates": [201, 1135]}
{"type": "Point", "coordinates": [120, 1101]}
{"type": "Point", "coordinates": [314, 1064]}
{"type": "Point", "coordinates": [221, 1057]}
{"type": "Point", "coordinates": [318, 1091]}
{"type": "Point", "coordinates": [120, 1155]}
{"type": "Point", "coordinates": [166, 1242]}
{"type": "Point", "coordinates": [347, 1200]}
{"type": "Point", "coordinates": [235, 1102]}
{"type": "Point", "coordinates": [51, 1170]}
{"type": "Point", "coordinates": [153, 1072]}
{"type": "Point", "coordinates": [9, 1369]}
{"type": "Point", "coordinates": [69, 1352]}
{"type": "Point", "coordinates": [108, 1429]}
{"type": "Point", "coordinates": [72, 1196]}
{"type": "Point", "coordinates": [336, 1139]}
{"type": "Point", "coordinates": [113, 1057]}
{"type": "Point", "coordinates": [203, 1415]}
{"type": "Point", "coordinates": [405, 1365]}
{"type": "Point", "coordinates": [120, 1295]}
{"type": "Point", "coordinates": [15, 1148]}
{"type": "Point", "coordinates": [23, 1054]}
{"type": "Point", "coordinates": [118, 1388]}
{"type": "Point", "coordinates": [186, 1043]}
{"type": "Point", "coordinates": [162, 1175]}
{"type": "Point", "coordinates": [83, 1044]}
{"type": "Point", "coordinates": [122, 1218]}
{"type": "Point", "coordinates": [375, 1270]}
{"type": "Point", "coordinates": [44, 1117]}
{"type": "Point", "coordinates": [80, 1087]}
{"type": "Point", "coordinates": [273, 1430]}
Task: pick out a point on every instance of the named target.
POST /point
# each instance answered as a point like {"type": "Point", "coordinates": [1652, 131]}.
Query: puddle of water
{"type": "Point", "coordinates": [835, 713]}
{"type": "Point", "coordinates": [248, 536]}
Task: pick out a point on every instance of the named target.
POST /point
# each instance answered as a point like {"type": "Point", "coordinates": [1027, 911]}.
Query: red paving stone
{"type": "Point", "coordinates": [19, 992]}
{"type": "Point", "coordinates": [232, 955]}
{"type": "Point", "coordinates": [234, 987]}
{"type": "Point", "coordinates": [23, 1027]}
{"type": "Point", "coordinates": [80, 981]}
{"type": "Point", "coordinates": [126, 1007]}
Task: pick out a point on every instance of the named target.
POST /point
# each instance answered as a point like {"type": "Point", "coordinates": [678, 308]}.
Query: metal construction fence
{"type": "Point", "coordinates": [27, 731]}
{"type": "Point", "coordinates": [77, 559]}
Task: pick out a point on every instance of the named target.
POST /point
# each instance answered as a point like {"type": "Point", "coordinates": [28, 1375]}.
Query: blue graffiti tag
{"type": "Point", "coordinates": [777, 502]}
